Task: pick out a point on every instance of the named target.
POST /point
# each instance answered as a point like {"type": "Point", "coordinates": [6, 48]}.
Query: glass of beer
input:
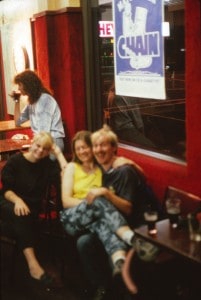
{"type": "Point", "coordinates": [173, 208]}
{"type": "Point", "coordinates": [15, 95]}
{"type": "Point", "coordinates": [151, 218]}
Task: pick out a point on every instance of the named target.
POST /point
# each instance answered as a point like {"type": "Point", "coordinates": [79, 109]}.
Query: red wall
{"type": "Point", "coordinates": [59, 56]}
{"type": "Point", "coordinates": [59, 59]}
{"type": "Point", "coordinates": [161, 173]}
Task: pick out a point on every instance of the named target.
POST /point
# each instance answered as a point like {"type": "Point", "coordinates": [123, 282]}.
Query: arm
{"type": "Point", "coordinates": [17, 112]}
{"type": "Point", "coordinates": [67, 187]}
{"type": "Point", "coordinates": [20, 117]}
{"type": "Point", "coordinates": [60, 157]}
{"type": "Point", "coordinates": [8, 178]}
{"type": "Point", "coordinates": [125, 182]}
{"type": "Point", "coordinates": [48, 114]}
{"type": "Point", "coordinates": [16, 98]}
{"type": "Point", "coordinates": [121, 161]}
{"type": "Point", "coordinates": [121, 204]}
{"type": "Point", "coordinates": [20, 207]}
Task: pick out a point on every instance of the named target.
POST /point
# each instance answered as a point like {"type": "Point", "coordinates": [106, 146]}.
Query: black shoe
{"type": "Point", "coordinates": [118, 267]}
{"type": "Point", "coordinates": [100, 293]}
{"type": "Point", "coordinates": [46, 282]}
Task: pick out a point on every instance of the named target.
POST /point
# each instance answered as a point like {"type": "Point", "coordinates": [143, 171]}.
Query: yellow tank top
{"type": "Point", "coordinates": [83, 182]}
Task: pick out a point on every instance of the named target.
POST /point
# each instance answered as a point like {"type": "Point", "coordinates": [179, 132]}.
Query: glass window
{"type": "Point", "coordinates": [155, 125]}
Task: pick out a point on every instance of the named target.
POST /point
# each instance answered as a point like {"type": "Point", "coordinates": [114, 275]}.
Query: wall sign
{"type": "Point", "coordinates": [106, 28]}
{"type": "Point", "coordinates": [139, 48]}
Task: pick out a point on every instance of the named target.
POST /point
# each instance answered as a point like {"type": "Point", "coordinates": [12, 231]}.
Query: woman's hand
{"type": "Point", "coordinates": [94, 193]}
{"type": "Point", "coordinates": [20, 208]}
{"type": "Point", "coordinates": [55, 150]}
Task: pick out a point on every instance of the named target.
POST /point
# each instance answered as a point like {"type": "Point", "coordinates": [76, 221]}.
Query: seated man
{"type": "Point", "coordinates": [125, 185]}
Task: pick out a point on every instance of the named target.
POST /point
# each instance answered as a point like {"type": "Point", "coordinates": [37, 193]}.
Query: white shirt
{"type": "Point", "coordinates": [44, 115]}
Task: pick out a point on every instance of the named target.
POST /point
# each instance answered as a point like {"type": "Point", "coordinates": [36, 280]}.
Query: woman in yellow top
{"type": "Point", "coordinates": [98, 215]}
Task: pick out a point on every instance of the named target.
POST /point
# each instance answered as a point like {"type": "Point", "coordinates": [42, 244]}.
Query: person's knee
{"type": "Point", "coordinates": [85, 242]}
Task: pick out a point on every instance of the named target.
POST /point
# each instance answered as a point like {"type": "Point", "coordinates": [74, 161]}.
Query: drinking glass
{"type": "Point", "coordinates": [151, 218]}
{"type": "Point", "coordinates": [194, 226]}
{"type": "Point", "coordinates": [173, 208]}
{"type": "Point", "coordinates": [15, 95]}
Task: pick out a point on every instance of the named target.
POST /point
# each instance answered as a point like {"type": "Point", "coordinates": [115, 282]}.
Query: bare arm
{"type": "Point", "coordinates": [60, 157]}
{"type": "Point", "coordinates": [16, 111]}
{"type": "Point", "coordinates": [20, 207]}
{"type": "Point", "coordinates": [67, 187]}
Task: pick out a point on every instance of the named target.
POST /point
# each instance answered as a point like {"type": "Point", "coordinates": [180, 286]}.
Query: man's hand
{"type": "Point", "coordinates": [121, 161]}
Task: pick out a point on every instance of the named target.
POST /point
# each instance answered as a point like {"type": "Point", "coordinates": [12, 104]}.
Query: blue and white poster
{"type": "Point", "coordinates": [139, 48]}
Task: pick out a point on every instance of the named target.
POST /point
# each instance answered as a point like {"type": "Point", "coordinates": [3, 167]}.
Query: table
{"type": "Point", "coordinates": [9, 146]}
{"type": "Point", "coordinates": [175, 240]}
{"type": "Point", "coordinates": [10, 126]}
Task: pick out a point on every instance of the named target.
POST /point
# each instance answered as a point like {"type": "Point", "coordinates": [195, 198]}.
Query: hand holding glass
{"type": "Point", "coordinates": [15, 95]}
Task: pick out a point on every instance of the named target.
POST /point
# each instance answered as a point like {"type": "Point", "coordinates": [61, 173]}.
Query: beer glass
{"type": "Point", "coordinates": [194, 226]}
{"type": "Point", "coordinates": [15, 95]}
{"type": "Point", "coordinates": [173, 208]}
{"type": "Point", "coordinates": [151, 218]}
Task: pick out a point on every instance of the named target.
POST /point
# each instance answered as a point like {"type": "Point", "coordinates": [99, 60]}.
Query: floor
{"type": "Point", "coordinates": [60, 258]}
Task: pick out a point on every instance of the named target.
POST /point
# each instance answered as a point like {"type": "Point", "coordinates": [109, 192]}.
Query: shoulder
{"type": "Point", "coordinates": [98, 169]}
{"type": "Point", "coordinates": [18, 157]}
{"type": "Point", "coordinates": [46, 97]}
{"type": "Point", "coordinates": [70, 168]}
{"type": "Point", "coordinates": [127, 173]}
{"type": "Point", "coordinates": [126, 169]}
{"type": "Point", "coordinates": [14, 162]}
{"type": "Point", "coordinates": [71, 165]}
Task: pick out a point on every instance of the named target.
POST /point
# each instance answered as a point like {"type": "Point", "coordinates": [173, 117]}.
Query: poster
{"type": "Point", "coordinates": [139, 48]}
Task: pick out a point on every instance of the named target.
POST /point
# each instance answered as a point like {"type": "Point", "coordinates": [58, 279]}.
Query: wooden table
{"type": "Point", "coordinates": [175, 240]}
{"type": "Point", "coordinates": [10, 126]}
{"type": "Point", "coordinates": [9, 146]}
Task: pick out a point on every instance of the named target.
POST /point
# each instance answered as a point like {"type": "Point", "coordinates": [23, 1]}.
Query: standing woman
{"type": "Point", "coordinates": [42, 109]}
{"type": "Point", "coordinates": [25, 178]}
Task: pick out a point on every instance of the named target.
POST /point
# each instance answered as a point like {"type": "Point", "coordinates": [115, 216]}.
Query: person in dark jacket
{"type": "Point", "coordinates": [25, 179]}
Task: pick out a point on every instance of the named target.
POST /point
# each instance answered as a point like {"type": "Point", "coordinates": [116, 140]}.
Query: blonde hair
{"type": "Point", "coordinates": [105, 131]}
{"type": "Point", "coordinates": [44, 138]}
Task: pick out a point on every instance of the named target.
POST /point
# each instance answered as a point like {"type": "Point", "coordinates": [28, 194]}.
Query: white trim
{"type": "Point", "coordinates": [153, 154]}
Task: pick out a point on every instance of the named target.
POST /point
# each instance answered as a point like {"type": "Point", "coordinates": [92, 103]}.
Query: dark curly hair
{"type": "Point", "coordinates": [32, 85]}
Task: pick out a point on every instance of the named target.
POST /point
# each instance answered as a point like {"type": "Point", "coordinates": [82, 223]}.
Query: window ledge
{"type": "Point", "coordinates": [154, 154]}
